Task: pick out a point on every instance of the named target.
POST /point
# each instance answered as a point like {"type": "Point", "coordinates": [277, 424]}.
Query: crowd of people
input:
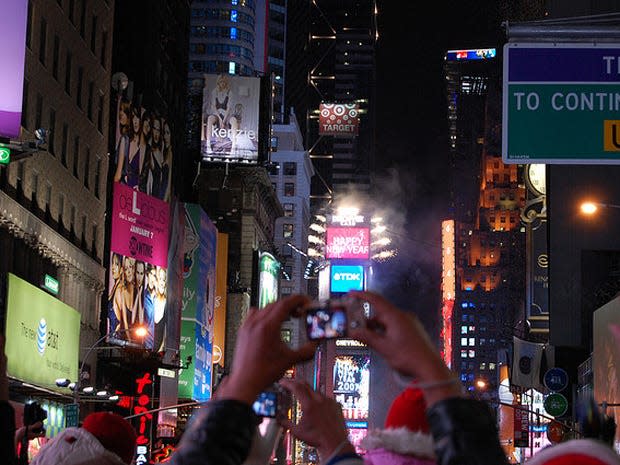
{"type": "Point", "coordinates": [432, 422]}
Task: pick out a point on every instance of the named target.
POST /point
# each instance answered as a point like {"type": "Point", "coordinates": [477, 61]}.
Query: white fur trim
{"type": "Point", "coordinates": [589, 447]}
{"type": "Point", "coordinates": [400, 440]}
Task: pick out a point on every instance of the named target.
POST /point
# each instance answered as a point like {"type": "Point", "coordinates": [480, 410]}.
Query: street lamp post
{"type": "Point", "coordinates": [590, 208]}
{"type": "Point", "coordinates": [139, 331]}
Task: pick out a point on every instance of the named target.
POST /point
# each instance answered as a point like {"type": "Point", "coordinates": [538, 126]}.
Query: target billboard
{"type": "Point", "coordinates": [339, 119]}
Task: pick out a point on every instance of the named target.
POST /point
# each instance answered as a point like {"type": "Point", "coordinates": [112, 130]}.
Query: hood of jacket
{"type": "Point", "coordinates": [75, 446]}
{"type": "Point", "coordinates": [402, 441]}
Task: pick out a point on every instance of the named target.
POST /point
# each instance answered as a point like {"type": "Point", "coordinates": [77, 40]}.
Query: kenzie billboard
{"type": "Point", "coordinates": [347, 243]}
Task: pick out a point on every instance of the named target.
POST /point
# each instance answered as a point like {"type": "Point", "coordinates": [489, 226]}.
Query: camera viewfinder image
{"type": "Point", "coordinates": [265, 404]}
{"type": "Point", "coordinates": [326, 322]}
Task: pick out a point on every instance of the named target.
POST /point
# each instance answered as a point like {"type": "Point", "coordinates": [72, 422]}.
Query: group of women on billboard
{"type": "Point", "coordinates": [143, 150]}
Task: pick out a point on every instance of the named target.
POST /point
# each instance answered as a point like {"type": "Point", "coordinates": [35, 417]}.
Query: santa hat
{"type": "Point", "coordinates": [406, 430]}
{"type": "Point", "coordinates": [576, 452]}
{"type": "Point", "coordinates": [113, 432]}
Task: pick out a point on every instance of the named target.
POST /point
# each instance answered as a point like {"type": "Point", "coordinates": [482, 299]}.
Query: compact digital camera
{"type": "Point", "coordinates": [332, 318]}
{"type": "Point", "coordinates": [273, 403]}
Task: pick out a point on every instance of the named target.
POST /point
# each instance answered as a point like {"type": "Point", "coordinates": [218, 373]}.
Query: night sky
{"type": "Point", "coordinates": [412, 134]}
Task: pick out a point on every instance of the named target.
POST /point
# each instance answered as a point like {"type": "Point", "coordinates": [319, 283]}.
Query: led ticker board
{"type": "Point", "coordinates": [472, 54]}
{"type": "Point", "coordinates": [353, 242]}
{"type": "Point", "coordinates": [345, 278]}
{"type": "Point", "coordinates": [338, 119]}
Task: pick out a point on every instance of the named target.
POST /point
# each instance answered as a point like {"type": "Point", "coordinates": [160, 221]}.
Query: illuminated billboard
{"type": "Point", "coordinates": [199, 270]}
{"type": "Point", "coordinates": [353, 242]}
{"type": "Point", "coordinates": [268, 279]}
{"type": "Point", "coordinates": [339, 119]}
{"type": "Point", "coordinates": [351, 378]}
{"type": "Point", "coordinates": [471, 54]}
{"type": "Point", "coordinates": [230, 118]}
{"type": "Point", "coordinates": [13, 52]}
{"type": "Point", "coordinates": [143, 152]}
{"type": "Point", "coordinates": [345, 278]}
{"type": "Point", "coordinates": [42, 335]}
{"type": "Point", "coordinates": [137, 290]}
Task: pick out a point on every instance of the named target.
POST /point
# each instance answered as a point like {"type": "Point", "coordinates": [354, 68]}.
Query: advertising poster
{"type": "Point", "coordinates": [268, 279]}
{"type": "Point", "coordinates": [138, 266]}
{"type": "Point", "coordinates": [339, 119]}
{"type": "Point", "coordinates": [42, 336]}
{"type": "Point", "coordinates": [143, 154]}
{"type": "Point", "coordinates": [345, 278]}
{"type": "Point", "coordinates": [230, 117]}
{"type": "Point", "coordinates": [347, 242]}
{"type": "Point", "coordinates": [221, 291]}
{"type": "Point", "coordinates": [351, 379]}
{"type": "Point", "coordinates": [13, 52]}
{"type": "Point", "coordinates": [199, 254]}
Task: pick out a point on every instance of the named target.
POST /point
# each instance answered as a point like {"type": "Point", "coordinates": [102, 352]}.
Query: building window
{"type": "Point", "coordinates": [61, 207]}
{"type": "Point", "coordinates": [76, 155]}
{"type": "Point", "coordinates": [89, 103]}
{"type": "Point", "coordinates": [290, 168]}
{"type": "Point", "coordinates": [288, 229]}
{"type": "Point", "coordinates": [52, 128]}
{"type": "Point", "coordinates": [104, 45]}
{"type": "Point", "coordinates": [98, 178]}
{"type": "Point", "coordinates": [68, 62]}
{"type": "Point", "coordinates": [288, 271]}
{"type": "Point", "coordinates": [80, 82]}
{"type": "Point", "coordinates": [289, 209]}
{"type": "Point", "coordinates": [72, 11]}
{"type": "Point", "coordinates": [29, 26]}
{"type": "Point", "coordinates": [286, 290]}
{"type": "Point", "coordinates": [83, 19]}
{"type": "Point", "coordinates": [24, 121]}
{"type": "Point", "coordinates": [42, 41]}
{"type": "Point", "coordinates": [289, 189]}
{"type": "Point", "coordinates": [63, 148]}
{"type": "Point", "coordinates": [87, 168]}
{"type": "Point", "coordinates": [100, 114]}
{"type": "Point", "coordinates": [38, 111]}
{"type": "Point", "coordinates": [55, 57]}
{"type": "Point", "coordinates": [93, 34]}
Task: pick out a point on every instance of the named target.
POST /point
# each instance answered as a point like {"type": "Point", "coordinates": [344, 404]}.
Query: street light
{"type": "Point", "coordinates": [139, 331]}
{"type": "Point", "coordinates": [590, 208]}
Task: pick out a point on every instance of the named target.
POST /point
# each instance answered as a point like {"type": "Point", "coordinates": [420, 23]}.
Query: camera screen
{"type": "Point", "coordinates": [326, 322]}
{"type": "Point", "coordinates": [266, 404]}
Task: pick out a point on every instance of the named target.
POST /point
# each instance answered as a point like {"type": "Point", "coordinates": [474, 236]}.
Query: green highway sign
{"type": "Point", "coordinates": [5, 155]}
{"type": "Point", "coordinates": [555, 404]}
{"type": "Point", "coordinates": [561, 103]}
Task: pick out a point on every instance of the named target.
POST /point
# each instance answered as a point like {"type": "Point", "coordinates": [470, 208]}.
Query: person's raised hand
{"type": "Point", "coordinates": [261, 357]}
{"type": "Point", "coordinates": [403, 342]}
{"type": "Point", "coordinates": [322, 424]}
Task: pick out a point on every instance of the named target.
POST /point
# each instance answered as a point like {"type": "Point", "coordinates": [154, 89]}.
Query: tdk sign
{"type": "Point", "coordinates": [345, 278]}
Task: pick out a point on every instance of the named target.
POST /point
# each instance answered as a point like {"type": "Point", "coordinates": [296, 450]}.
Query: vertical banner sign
{"type": "Point", "coordinates": [268, 279]}
{"type": "Point", "coordinates": [144, 392]}
{"type": "Point", "coordinates": [138, 266]}
{"type": "Point", "coordinates": [199, 254]}
{"type": "Point", "coordinates": [221, 290]}
{"type": "Point", "coordinates": [539, 307]}
{"type": "Point", "coordinates": [13, 52]}
{"type": "Point", "coordinates": [521, 428]}
{"type": "Point", "coordinates": [351, 385]}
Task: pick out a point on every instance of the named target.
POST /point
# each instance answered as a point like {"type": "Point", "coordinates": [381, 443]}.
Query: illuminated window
{"type": "Point", "coordinates": [464, 353]}
{"type": "Point", "coordinates": [233, 16]}
{"type": "Point", "coordinates": [491, 366]}
{"type": "Point", "coordinates": [288, 229]}
{"type": "Point", "coordinates": [472, 353]}
{"type": "Point", "coordinates": [463, 342]}
{"type": "Point", "coordinates": [289, 209]}
{"type": "Point", "coordinates": [289, 189]}
{"type": "Point", "coordinates": [472, 341]}
{"type": "Point", "coordinates": [483, 366]}
{"type": "Point", "coordinates": [472, 329]}
{"type": "Point", "coordinates": [233, 33]}
{"type": "Point", "coordinates": [463, 329]}
{"type": "Point", "coordinates": [231, 67]}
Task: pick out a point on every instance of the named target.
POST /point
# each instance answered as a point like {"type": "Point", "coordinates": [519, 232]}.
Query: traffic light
{"type": "Point", "coordinates": [5, 154]}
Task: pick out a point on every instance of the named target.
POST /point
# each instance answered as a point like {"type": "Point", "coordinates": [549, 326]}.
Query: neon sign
{"type": "Point", "coordinates": [141, 407]}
